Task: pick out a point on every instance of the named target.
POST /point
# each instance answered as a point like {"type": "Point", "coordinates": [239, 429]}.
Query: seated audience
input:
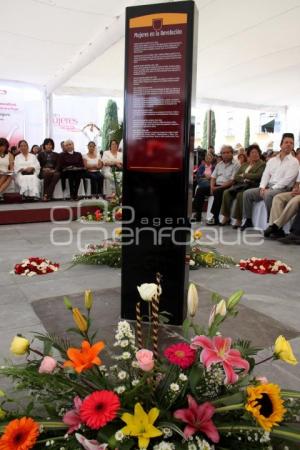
{"type": "Point", "coordinates": [14, 150]}
{"type": "Point", "coordinates": [71, 167]}
{"type": "Point", "coordinates": [284, 207]}
{"type": "Point", "coordinates": [221, 179]}
{"type": "Point", "coordinates": [242, 159]}
{"type": "Point", "coordinates": [93, 164]}
{"type": "Point", "coordinates": [112, 158]}
{"type": "Point", "coordinates": [247, 176]}
{"type": "Point", "coordinates": [203, 177]}
{"type": "Point", "coordinates": [48, 160]}
{"type": "Point", "coordinates": [27, 170]}
{"type": "Point", "coordinates": [62, 145]}
{"type": "Point", "coordinates": [35, 149]}
{"type": "Point", "coordinates": [279, 175]}
{"type": "Point", "coordinates": [6, 165]}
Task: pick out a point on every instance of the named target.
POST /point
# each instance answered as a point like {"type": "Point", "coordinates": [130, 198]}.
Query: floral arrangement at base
{"type": "Point", "coordinates": [111, 213]}
{"type": "Point", "coordinates": [197, 393]}
{"type": "Point", "coordinates": [264, 266]}
{"type": "Point", "coordinates": [35, 266]}
{"type": "Point", "coordinates": [107, 253]}
{"type": "Point", "coordinates": [206, 256]}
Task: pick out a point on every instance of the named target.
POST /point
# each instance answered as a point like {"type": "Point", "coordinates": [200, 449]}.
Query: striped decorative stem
{"type": "Point", "coordinates": [155, 318]}
{"type": "Point", "coordinates": [139, 331]}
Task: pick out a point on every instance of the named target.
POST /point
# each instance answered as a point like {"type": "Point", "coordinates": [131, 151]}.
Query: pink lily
{"type": "Point", "coordinates": [217, 350]}
{"type": "Point", "coordinates": [72, 417]}
{"type": "Point", "coordinates": [89, 445]}
{"type": "Point", "coordinates": [198, 418]}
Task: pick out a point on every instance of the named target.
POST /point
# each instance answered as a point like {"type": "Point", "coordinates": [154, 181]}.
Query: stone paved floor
{"type": "Point", "coordinates": [276, 296]}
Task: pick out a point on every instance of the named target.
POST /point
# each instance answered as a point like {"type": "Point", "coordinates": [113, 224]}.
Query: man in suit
{"type": "Point", "coordinates": [71, 167]}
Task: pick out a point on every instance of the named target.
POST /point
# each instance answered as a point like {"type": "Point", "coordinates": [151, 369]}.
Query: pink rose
{"type": "Point", "coordinates": [48, 365]}
{"type": "Point", "coordinates": [145, 359]}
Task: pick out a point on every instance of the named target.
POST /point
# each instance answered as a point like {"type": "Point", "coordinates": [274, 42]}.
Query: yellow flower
{"type": "Point", "coordinates": [88, 299]}
{"type": "Point", "coordinates": [19, 345]}
{"type": "Point", "coordinates": [265, 404]}
{"type": "Point", "coordinates": [209, 259]}
{"type": "Point", "coordinates": [198, 234]}
{"type": "Point", "coordinates": [118, 231]}
{"type": "Point", "coordinates": [80, 321]}
{"type": "Point", "coordinates": [140, 425]}
{"type": "Point", "coordinates": [283, 350]}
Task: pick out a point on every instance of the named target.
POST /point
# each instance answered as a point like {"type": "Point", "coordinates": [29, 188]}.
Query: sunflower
{"type": "Point", "coordinates": [19, 434]}
{"type": "Point", "coordinates": [265, 404]}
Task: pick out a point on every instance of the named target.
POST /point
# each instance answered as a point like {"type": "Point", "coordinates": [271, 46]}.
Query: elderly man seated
{"type": "Point", "coordinates": [221, 179]}
{"type": "Point", "coordinates": [284, 207]}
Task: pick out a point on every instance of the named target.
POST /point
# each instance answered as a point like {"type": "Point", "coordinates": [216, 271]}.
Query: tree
{"type": "Point", "coordinates": [212, 129]}
{"type": "Point", "coordinates": [110, 124]}
{"type": "Point", "coordinates": [247, 133]}
{"type": "Point", "coordinates": [209, 129]}
{"type": "Point", "coordinates": [205, 132]}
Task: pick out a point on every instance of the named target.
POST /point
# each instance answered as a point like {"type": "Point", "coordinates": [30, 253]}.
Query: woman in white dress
{"type": "Point", "coordinates": [93, 164]}
{"type": "Point", "coordinates": [6, 166]}
{"type": "Point", "coordinates": [27, 170]}
{"type": "Point", "coordinates": [111, 158]}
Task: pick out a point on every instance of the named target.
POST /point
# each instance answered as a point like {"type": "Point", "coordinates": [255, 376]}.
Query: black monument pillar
{"type": "Point", "coordinates": [160, 66]}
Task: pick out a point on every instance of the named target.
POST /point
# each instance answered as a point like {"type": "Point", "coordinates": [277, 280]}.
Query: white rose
{"type": "Point", "coordinates": [149, 291]}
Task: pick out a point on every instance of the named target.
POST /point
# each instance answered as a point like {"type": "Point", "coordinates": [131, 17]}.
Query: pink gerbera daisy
{"type": "Point", "coordinates": [181, 355]}
{"type": "Point", "coordinates": [99, 408]}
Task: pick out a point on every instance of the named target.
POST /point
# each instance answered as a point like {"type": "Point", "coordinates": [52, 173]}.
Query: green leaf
{"type": "Point", "coordinates": [195, 377]}
{"type": "Point", "coordinates": [68, 303]}
{"type": "Point", "coordinates": [287, 433]}
{"type": "Point", "coordinates": [234, 299]}
{"type": "Point", "coordinates": [185, 327]}
{"type": "Point", "coordinates": [29, 408]}
{"type": "Point", "coordinates": [216, 297]}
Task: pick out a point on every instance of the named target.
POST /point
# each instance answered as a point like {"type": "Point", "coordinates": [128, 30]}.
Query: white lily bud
{"type": "Point", "coordinates": [212, 316]}
{"type": "Point", "coordinates": [192, 300]}
{"type": "Point", "coordinates": [149, 291]}
{"type": "Point", "coordinates": [221, 308]}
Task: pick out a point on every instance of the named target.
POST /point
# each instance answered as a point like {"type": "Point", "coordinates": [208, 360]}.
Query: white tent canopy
{"type": "Point", "coordinates": [248, 51]}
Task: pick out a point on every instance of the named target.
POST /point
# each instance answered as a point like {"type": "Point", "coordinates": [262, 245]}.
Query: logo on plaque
{"type": "Point", "coordinates": [157, 24]}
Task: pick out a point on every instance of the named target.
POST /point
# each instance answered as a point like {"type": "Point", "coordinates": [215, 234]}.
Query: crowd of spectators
{"type": "Point", "coordinates": [238, 181]}
{"type": "Point", "coordinates": [37, 171]}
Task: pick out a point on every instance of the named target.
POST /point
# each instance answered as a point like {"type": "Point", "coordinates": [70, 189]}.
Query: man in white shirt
{"type": "Point", "coordinates": [284, 207]}
{"type": "Point", "coordinates": [221, 179]}
{"type": "Point", "coordinates": [279, 176]}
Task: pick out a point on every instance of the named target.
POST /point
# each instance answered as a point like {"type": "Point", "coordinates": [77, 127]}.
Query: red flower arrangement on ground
{"type": "Point", "coordinates": [264, 266]}
{"type": "Point", "coordinates": [35, 266]}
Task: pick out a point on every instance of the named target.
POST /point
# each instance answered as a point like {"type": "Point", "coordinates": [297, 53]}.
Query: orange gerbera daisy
{"type": "Point", "coordinates": [85, 357]}
{"type": "Point", "coordinates": [19, 434]}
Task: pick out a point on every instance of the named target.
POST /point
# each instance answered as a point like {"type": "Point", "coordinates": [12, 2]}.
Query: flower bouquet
{"type": "Point", "coordinates": [35, 266]}
{"type": "Point", "coordinates": [110, 213]}
{"type": "Point", "coordinates": [206, 256]}
{"type": "Point", "coordinates": [197, 393]}
{"type": "Point", "coordinates": [107, 253]}
{"type": "Point", "coordinates": [264, 266]}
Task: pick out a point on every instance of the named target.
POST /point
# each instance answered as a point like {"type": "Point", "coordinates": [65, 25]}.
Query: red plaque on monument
{"type": "Point", "coordinates": [155, 103]}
